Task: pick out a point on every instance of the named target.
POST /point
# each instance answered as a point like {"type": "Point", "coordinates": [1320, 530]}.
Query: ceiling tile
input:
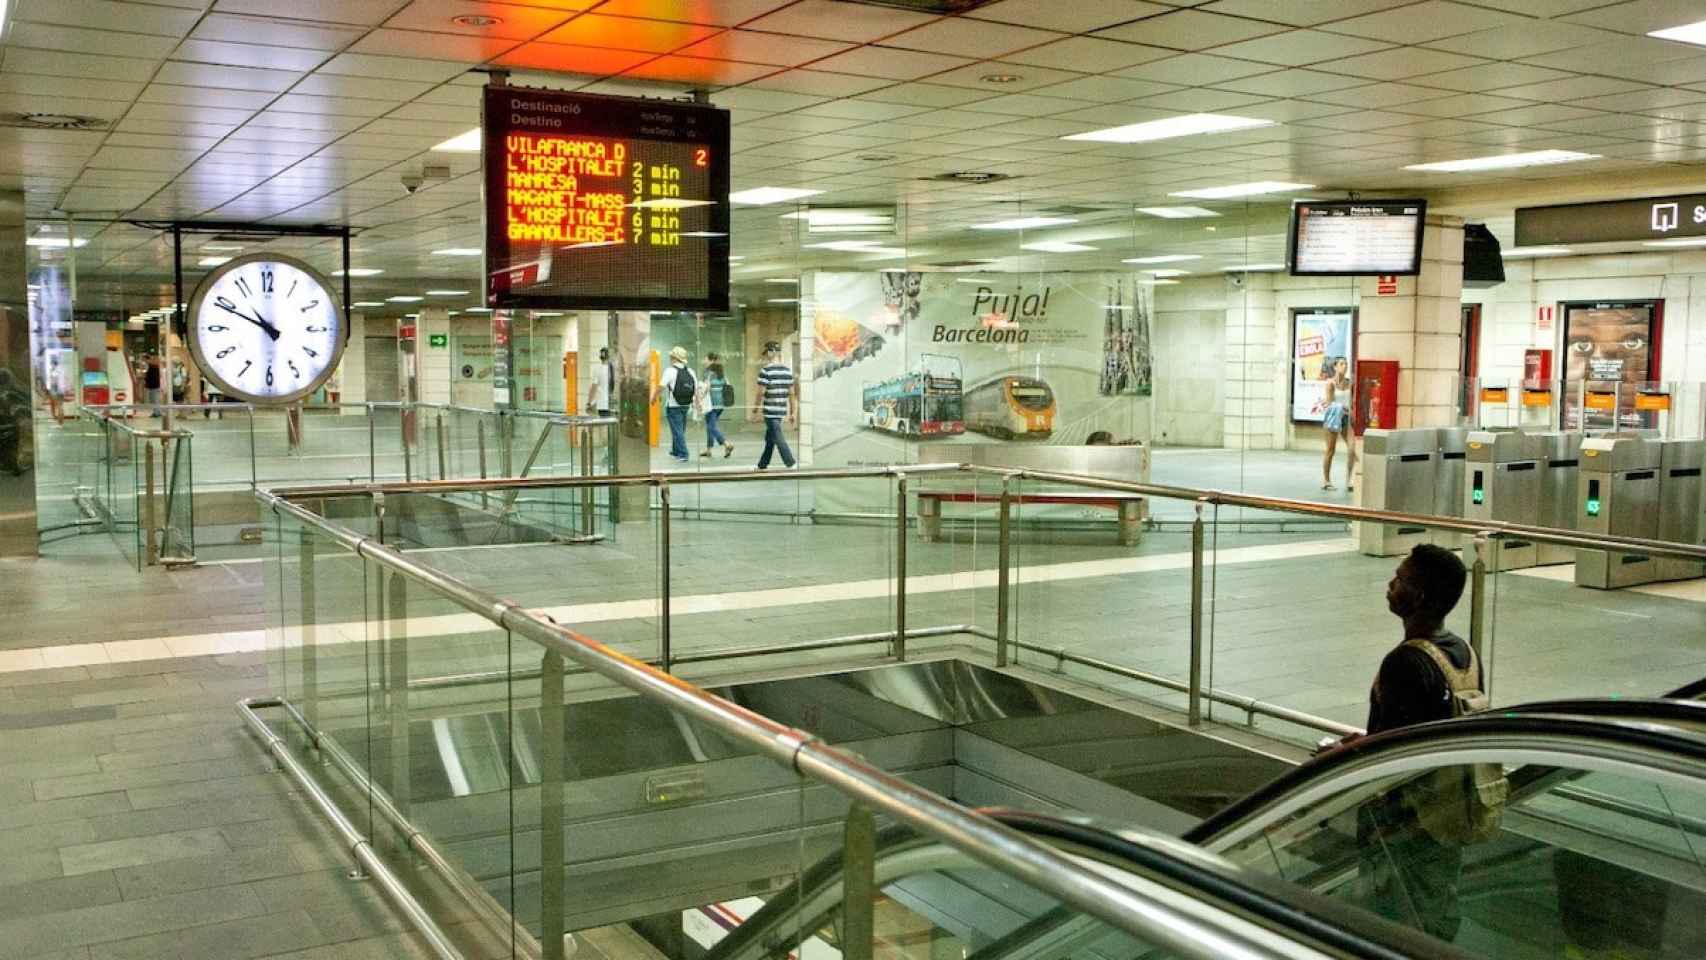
{"type": "Point", "coordinates": [294, 59]}
{"type": "Point", "coordinates": [1088, 55]}
{"type": "Point", "coordinates": [1465, 105]}
{"type": "Point", "coordinates": [1642, 101]}
{"type": "Point", "coordinates": [862, 109]}
{"type": "Point", "coordinates": [1107, 89]}
{"type": "Point", "coordinates": [392, 68]}
{"type": "Point", "coordinates": [1669, 72]}
{"type": "Point", "coordinates": [100, 42]}
{"type": "Point", "coordinates": [750, 46]}
{"type": "Point", "coordinates": [282, 33]}
{"type": "Point", "coordinates": [1421, 22]}
{"type": "Point", "coordinates": [1200, 100]}
{"type": "Point", "coordinates": [323, 84]}
{"type": "Point", "coordinates": [1571, 89]}
{"type": "Point", "coordinates": [1079, 16]}
{"type": "Point", "coordinates": [434, 46]}
{"type": "Point", "coordinates": [927, 94]}
{"type": "Point", "coordinates": [333, 106]}
{"type": "Point", "coordinates": [1640, 16]}
{"type": "Point", "coordinates": [237, 78]}
{"type": "Point", "coordinates": [1194, 69]}
{"type": "Point", "coordinates": [1029, 78]}
{"type": "Point", "coordinates": [1378, 95]}
{"type": "Point", "coordinates": [1525, 39]}
{"type": "Point", "coordinates": [514, 22]}
{"type": "Point", "coordinates": [1190, 30]}
{"type": "Point", "coordinates": [564, 58]}
{"type": "Point", "coordinates": [721, 73]}
{"type": "Point", "coordinates": [1301, 13]}
{"type": "Point", "coordinates": [206, 96]}
{"type": "Point", "coordinates": [1291, 83]}
{"type": "Point", "coordinates": [726, 13]}
{"type": "Point", "coordinates": [626, 33]}
{"type": "Point", "coordinates": [110, 15]}
{"type": "Point", "coordinates": [363, 12]}
{"type": "Point", "coordinates": [1536, 115]}
{"type": "Point", "coordinates": [890, 63]}
{"type": "Point", "coordinates": [1493, 76]}
{"type": "Point", "coordinates": [1025, 105]}
{"type": "Point", "coordinates": [55, 64]}
{"type": "Point", "coordinates": [834, 20]}
{"type": "Point", "coordinates": [970, 38]}
{"type": "Point", "coordinates": [1402, 63]}
{"type": "Point", "coordinates": [89, 89]}
{"type": "Point", "coordinates": [1299, 47]}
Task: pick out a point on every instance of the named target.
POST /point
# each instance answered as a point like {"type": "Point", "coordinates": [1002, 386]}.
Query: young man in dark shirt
{"type": "Point", "coordinates": [1408, 875]}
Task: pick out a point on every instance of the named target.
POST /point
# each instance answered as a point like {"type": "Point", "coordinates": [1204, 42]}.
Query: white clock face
{"type": "Point", "coordinates": [267, 330]}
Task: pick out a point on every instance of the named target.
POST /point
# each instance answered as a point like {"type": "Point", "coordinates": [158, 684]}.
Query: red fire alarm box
{"type": "Point", "coordinates": [1377, 395]}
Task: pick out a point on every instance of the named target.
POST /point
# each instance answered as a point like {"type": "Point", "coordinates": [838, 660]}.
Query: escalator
{"type": "Point", "coordinates": [1599, 852]}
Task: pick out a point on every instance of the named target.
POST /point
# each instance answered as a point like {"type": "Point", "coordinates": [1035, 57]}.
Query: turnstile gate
{"type": "Point", "coordinates": [1680, 462]}
{"type": "Point", "coordinates": [1399, 472]}
{"type": "Point", "coordinates": [1452, 444]}
{"type": "Point", "coordinates": [1560, 462]}
{"type": "Point", "coordinates": [1617, 493]}
{"type": "Point", "coordinates": [1503, 483]}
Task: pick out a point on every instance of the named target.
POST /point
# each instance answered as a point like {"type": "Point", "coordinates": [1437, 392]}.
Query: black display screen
{"type": "Point", "coordinates": [605, 202]}
{"type": "Point", "coordinates": [1348, 238]}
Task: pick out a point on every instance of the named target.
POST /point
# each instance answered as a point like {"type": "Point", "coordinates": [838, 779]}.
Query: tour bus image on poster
{"type": "Point", "coordinates": [1320, 339]}
{"type": "Point", "coordinates": [900, 358]}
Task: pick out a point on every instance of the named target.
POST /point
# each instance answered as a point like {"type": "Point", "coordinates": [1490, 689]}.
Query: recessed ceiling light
{"type": "Point", "coordinates": [1536, 252]}
{"type": "Point", "coordinates": [221, 247]}
{"type": "Point", "coordinates": [893, 270]}
{"type": "Point", "coordinates": [458, 252]}
{"type": "Point", "coordinates": [403, 299]}
{"type": "Point", "coordinates": [462, 143]}
{"type": "Point", "coordinates": [476, 20]}
{"type": "Point", "coordinates": [1178, 213]}
{"type": "Point", "coordinates": [1505, 161]}
{"type": "Point", "coordinates": [56, 242]}
{"type": "Point", "coordinates": [367, 303]}
{"type": "Point", "coordinates": [359, 272]}
{"type": "Point", "coordinates": [736, 258]}
{"type": "Point", "coordinates": [1679, 242]}
{"type": "Point", "coordinates": [546, 313]}
{"type": "Point", "coordinates": [1255, 188]}
{"type": "Point", "coordinates": [1256, 268]}
{"type": "Point", "coordinates": [212, 261]}
{"type": "Point", "coordinates": [447, 293]}
{"type": "Point", "coordinates": [411, 316]}
{"type": "Point", "coordinates": [1001, 78]}
{"type": "Point", "coordinates": [1024, 223]}
{"type": "Point", "coordinates": [479, 310]}
{"type": "Point", "coordinates": [1055, 246]}
{"type": "Point", "coordinates": [759, 196]}
{"type": "Point", "coordinates": [1165, 258]}
{"type": "Point", "coordinates": [973, 280]}
{"type": "Point", "coordinates": [1153, 282]}
{"type": "Point", "coordinates": [1167, 273]}
{"type": "Point", "coordinates": [1694, 33]}
{"type": "Point", "coordinates": [781, 280]}
{"type": "Point", "coordinates": [783, 300]}
{"type": "Point", "coordinates": [1170, 127]}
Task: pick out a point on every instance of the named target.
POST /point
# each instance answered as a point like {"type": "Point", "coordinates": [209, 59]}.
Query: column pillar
{"type": "Point", "coordinates": [18, 536]}
{"type": "Point", "coordinates": [1254, 362]}
{"type": "Point", "coordinates": [1421, 327]}
{"type": "Point", "coordinates": [433, 363]}
{"type": "Point", "coordinates": [629, 335]}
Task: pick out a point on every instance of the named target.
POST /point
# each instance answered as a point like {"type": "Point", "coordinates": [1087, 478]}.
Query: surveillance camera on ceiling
{"type": "Point", "coordinates": [412, 181]}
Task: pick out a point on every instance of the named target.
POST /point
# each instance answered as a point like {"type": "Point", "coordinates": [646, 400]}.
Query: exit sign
{"type": "Point", "coordinates": [438, 339]}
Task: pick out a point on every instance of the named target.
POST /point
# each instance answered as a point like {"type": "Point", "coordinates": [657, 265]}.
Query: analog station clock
{"type": "Point", "coordinates": [266, 328]}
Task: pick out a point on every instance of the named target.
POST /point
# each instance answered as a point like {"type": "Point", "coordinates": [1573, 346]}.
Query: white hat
{"type": "Point", "coordinates": [678, 353]}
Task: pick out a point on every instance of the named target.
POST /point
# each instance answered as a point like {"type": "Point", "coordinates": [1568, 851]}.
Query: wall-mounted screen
{"type": "Point", "coordinates": [1350, 238]}
{"type": "Point", "coordinates": [605, 202]}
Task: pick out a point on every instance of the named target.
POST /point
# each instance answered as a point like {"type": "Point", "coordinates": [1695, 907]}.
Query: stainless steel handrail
{"type": "Point", "coordinates": [983, 839]}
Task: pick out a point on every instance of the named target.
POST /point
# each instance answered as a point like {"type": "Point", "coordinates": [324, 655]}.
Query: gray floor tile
{"type": "Point", "coordinates": [53, 895]}
{"type": "Point", "coordinates": [114, 854]}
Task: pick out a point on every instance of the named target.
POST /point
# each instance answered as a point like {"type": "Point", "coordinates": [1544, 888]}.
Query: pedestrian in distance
{"type": "Point", "coordinates": [677, 387]}
{"type": "Point", "coordinates": [717, 394]}
{"type": "Point", "coordinates": [779, 394]}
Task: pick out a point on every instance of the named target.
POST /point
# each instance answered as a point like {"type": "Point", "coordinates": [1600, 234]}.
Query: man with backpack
{"type": "Point", "coordinates": [1411, 838]}
{"type": "Point", "coordinates": [678, 388]}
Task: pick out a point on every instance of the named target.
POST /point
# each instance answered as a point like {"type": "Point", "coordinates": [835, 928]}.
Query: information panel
{"type": "Point", "coordinates": [1653, 218]}
{"type": "Point", "coordinates": [612, 203]}
{"type": "Point", "coordinates": [1348, 238]}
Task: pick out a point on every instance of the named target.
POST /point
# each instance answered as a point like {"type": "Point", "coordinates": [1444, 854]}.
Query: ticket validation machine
{"type": "Point", "coordinates": [1560, 461]}
{"type": "Point", "coordinates": [1617, 493]}
{"type": "Point", "coordinates": [1398, 474]}
{"type": "Point", "coordinates": [1680, 462]}
{"type": "Point", "coordinates": [1502, 481]}
{"type": "Point", "coordinates": [1448, 491]}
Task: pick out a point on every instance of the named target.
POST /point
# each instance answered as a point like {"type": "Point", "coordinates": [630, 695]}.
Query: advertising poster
{"type": "Point", "coordinates": [1319, 340]}
{"type": "Point", "coordinates": [1607, 343]}
{"type": "Point", "coordinates": [904, 357]}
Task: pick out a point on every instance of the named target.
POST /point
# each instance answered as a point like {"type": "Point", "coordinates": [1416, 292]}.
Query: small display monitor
{"type": "Point", "coordinates": [1356, 238]}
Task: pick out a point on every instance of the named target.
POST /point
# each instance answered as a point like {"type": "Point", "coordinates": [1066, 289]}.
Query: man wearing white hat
{"type": "Point", "coordinates": [677, 388]}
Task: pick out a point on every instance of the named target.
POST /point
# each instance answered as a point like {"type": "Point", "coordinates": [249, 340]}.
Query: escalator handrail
{"type": "Point", "coordinates": [1448, 735]}
{"type": "Point", "coordinates": [1689, 691]}
{"type": "Point", "coordinates": [1266, 900]}
{"type": "Point", "coordinates": [1643, 709]}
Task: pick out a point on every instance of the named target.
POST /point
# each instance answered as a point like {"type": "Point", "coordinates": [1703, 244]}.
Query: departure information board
{"type": "Point", "coordinates": [1348, 238]}
{"type": "Point", "coordinates": [610, 203]}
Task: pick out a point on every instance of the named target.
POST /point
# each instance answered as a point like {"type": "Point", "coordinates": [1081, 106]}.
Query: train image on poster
{"type": "Point", "coordinates": [1011, 407]}
{"type": "Point", "coordinates": [924, 402]}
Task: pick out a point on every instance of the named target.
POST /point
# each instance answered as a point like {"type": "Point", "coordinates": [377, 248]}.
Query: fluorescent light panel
{"type": "Point", "coordinates": [463, 143]}
{"type": "Point", "coordinates": [1256, 268]}
{"type": "Point", "coordinates": [1170, 127]}
{"type": "Point", "coordinates": [1168, 273]}
{"type": "Point", "coordinates": [457, 252]}
{"type": "Point", "coordinates": [403, 299]}
{"type": "Point", "coordinates": [1178, 213]}
{"type": "Point", "coordinates": [447, 293]}
{"type": "Point", "coordinates": [1024, 223]}
{"type": "Point", "coordinates": [759, 196]}
{"type": "Point", "coordinates": [1536, 252]}
{"type": "Point", "coordinates": [367, 303]}
{"type": "Point", "coordinates": [1679, 242]}
{"type": "Point", "coordinates": [1165, 258]}
{"type": "Point", "coordinates": [212, 261]}
{"type": "Point", "coordinates": [360, 272]}
{"type": "Point", "coordinates": [1504, 161]}
{"type": "Point", "coordinates": [1252, 189]}
{"type": "Point", "coordinates": [1694, 33]}
{"type": "Point", "coordinates": [54, 242]}
{"type": "Point", "coordinates": [1055, 246]}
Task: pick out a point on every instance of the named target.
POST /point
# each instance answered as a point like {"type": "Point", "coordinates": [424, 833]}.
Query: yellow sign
{"type": "Point", "coordinates": [1495, 395]}
{"type": "Point", "coordinates": [1598, 400]}
{"type": "Point", "coordinates": [1537, 398]}
{"type": "Point", "coordinates": [1652, 401]}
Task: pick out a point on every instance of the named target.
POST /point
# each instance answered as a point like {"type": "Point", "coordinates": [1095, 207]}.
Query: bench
{"type": "Point", "coordinates": [1128, 505]}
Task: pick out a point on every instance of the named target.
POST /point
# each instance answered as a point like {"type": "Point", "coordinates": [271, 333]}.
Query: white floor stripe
{"type": "Point", "coordinates": [584, 614]}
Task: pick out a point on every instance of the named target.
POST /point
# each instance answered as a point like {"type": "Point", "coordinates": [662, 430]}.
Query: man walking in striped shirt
{"type": "Point", "coordinates": [777, 390]}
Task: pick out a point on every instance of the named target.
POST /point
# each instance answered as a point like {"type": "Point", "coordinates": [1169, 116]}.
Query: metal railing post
{"type": "Point", "coordinates": [310, 636]}
{"type": "Point", "coordinates": [1194, 705]}
{"type": "Point", "coordinates": [372, 448]}
{"type": "Point", "coordinates": [151, 553]}
{"type": "Point", "coordinates": [552, 852]}
{"type": "Point", "coordinates": [1485, 546]}
{"type": "Point", "coordinates": [480, 437]}
{"type": "Point", "coordinates": [586, 471]}
{"type": "Point", "coordinates": [397, 695]}
{"type": "Point", "coordinates": [899, 649]}
{"type": "Point", "coordinates": [404, 412]}
{"type": "Point", "coordinates": [1003, 550]}
{"type": "Point", "coordinates": [859, 884]}
{"type": "Point", "coordinates": [664, 653]}
{"type": "Point", "coordinates": [443, 462]}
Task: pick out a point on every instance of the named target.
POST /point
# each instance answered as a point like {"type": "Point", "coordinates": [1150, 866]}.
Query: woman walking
{"type": "Point", "coordinates": [717, 393]}
{"type": "Point", "coordinates": [1337, 422]}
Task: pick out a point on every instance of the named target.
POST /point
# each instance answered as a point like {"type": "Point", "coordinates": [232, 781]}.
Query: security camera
{"type": "Point", "coordinates": [412, 181]}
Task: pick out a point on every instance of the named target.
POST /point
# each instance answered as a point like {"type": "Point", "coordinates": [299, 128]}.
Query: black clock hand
{"type": "Point", "coordinates": [261, 322]}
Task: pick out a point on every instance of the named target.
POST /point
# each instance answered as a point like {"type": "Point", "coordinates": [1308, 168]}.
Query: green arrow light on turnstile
{"type": "Point", "coordinates": [1479, 496]}
{"type": "Point", "coordinates": [1593, 506]}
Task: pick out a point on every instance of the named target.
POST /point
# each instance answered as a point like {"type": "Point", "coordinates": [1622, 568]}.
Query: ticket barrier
{"type": "Point", "coordinates": [1560, 460]}
{"type": "Point", "coordinates": [1617, 493]}
{"type": "Point", "coordinates": [1399, 473]}
{"type": "Point", "coordinates": [1680, 462]}
{"type": "Point", "coordinates": [1452, 443]}
{"type": "Point", "coordinates": [1503, 483]}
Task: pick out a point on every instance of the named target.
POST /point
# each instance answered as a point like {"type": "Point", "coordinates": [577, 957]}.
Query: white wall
{"type": "Point", "coordinates": [1190, 398]}
{"type": "Point", "coordinates": [352, 369]}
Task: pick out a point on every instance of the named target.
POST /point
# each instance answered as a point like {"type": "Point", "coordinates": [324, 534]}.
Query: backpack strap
{"type": "Point", "coordinates": [1457, 681]}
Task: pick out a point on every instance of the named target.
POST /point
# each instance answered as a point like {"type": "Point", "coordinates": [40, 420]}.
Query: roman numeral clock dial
{"type": "Point", "coordinates": [266, 329]}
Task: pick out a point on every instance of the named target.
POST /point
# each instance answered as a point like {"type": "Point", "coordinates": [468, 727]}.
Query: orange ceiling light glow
{"type": "Point", "coordinates": [628, 33]}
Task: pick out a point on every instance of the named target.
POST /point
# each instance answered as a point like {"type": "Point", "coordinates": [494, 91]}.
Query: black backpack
{"type": "Point", "coordinates": [684, 387]}
{"type": "Point", "coordinates": [728, 394]}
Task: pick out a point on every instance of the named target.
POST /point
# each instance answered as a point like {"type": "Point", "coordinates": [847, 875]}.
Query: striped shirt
{"type": "Point", "coordinates": [775, 382]}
